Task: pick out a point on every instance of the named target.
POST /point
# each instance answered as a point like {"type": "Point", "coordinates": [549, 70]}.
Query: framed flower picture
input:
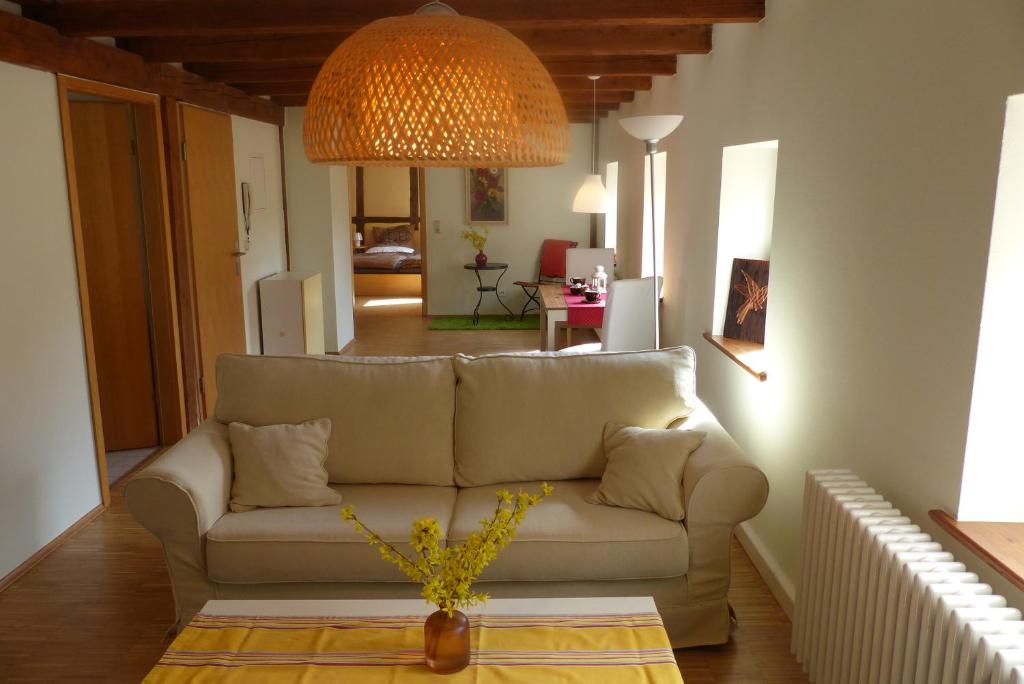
{"type": "Point", "coordinates": [486, 195]}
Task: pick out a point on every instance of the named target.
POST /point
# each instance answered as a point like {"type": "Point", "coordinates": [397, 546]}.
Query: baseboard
{"type": "Point", "coordinates": [778, 582]}
{"type": "Point", "coordinates": [55, 543]}
{"type": "Point", "coordinates": [348, 345]}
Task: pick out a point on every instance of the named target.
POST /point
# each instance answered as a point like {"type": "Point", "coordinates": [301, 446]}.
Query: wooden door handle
{"type": "Point", "coordinates": [239, 253]}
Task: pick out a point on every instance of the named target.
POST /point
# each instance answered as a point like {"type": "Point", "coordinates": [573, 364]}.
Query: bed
{"type": "Point", "coordinates": [387, 262]}
{"type": "Point", "coordinates": [392, 251]}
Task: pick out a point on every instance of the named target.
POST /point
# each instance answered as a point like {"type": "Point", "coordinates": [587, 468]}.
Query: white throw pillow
{"type": "Point", "coordinates": [645, 469]}
{"type": "Point", "coordinates": [280, 465]}
{"type": "Point", "coordinates": [390, 249]}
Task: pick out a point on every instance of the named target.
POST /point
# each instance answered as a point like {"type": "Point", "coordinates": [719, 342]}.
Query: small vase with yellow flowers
{"type": "Point", "coordinates": [447, 573]}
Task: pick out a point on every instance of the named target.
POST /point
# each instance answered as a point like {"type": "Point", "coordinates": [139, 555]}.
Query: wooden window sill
{"type": "Point", "coordinates": [747, 355]}
{"type": "Point", "coordinates": [1000, 545]}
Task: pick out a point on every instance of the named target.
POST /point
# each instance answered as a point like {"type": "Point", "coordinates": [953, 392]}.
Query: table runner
{"type": "Point", "coordinates": [507, 647]}
{"type": "Point", "coordinates": [584, 314]}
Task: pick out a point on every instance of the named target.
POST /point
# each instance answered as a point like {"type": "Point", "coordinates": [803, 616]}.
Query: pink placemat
{"type": "Point", "coordinates": [584, 314]}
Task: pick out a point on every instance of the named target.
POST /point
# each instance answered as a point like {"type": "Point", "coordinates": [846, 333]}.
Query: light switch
{"type": "Point", "coordinates": [437, 226]}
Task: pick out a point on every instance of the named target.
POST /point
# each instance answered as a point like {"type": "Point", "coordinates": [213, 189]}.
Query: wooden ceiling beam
{"type": "Point", "coordinates": [586, 111]}
{"type": "Point", "coordinates": [284, 88]}
{"type": "Point", "coordinates": [123, 18]}
{"type": "Point", "coordinates": [584, 84]}
{"type": "Point", "coordinates": [256, 72]}
{"type": "Point", "coordinates": [566, 71]}
{"type": "Point", "coordinates": [26, 42]}
{"type": "Point", "coordinates": [579, 97]}
{"type": "Point", "coordinates": [601, 42]}
{"type": "Point", "coordinates": [606, 41]}
{"type": "Point", "coordinates": [625, 65]}
{"type": "Point", "coordinates": [290, 100]}
{"type": "Point", "coordinates": [576, 114]}
{"type": "Point", "coordinates": [236, 49]}
{"type": "Point", "coordinates": [584, 99]}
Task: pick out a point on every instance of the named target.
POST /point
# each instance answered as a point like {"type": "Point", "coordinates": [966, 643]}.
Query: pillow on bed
{"type": "Point", "coordinates": [390, 249]}
{"type": "Point", "coordinates": [397, 235]}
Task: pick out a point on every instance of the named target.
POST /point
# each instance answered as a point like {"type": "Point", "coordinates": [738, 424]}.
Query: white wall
{"type": "Point", "coordinates": [318, 229]}
{"type": "Point", "coordinates": [47, 453]}
{"type": "Point", "coordinates": [540, 206]}
{"type": "Point", "coordinates": [889, 118]}
{"type": "Point", "coordinates": [266, 252]}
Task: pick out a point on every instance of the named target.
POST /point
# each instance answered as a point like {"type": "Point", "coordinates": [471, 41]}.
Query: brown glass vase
{"type": "Point", "coordinates": [446, 642]}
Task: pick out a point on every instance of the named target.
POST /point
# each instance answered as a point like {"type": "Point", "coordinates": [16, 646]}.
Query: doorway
{"type": "Point", "coordinates": [389, 255]}
{"type": "Point", "coordinates": [116, 182]}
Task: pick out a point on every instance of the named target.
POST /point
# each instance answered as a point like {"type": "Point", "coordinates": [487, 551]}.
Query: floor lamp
{"type": "Point", "coordinates": [652, 129]}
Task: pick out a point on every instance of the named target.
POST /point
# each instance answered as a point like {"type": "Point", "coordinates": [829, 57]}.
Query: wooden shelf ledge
{"type": "Point", "coordinates": [747, 355]}
{"type": "Point", "coordinates": [1000, 545]}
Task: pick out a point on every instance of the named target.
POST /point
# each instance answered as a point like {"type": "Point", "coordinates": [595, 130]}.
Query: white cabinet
{"type": "Point", "coordinates": [292, 313]}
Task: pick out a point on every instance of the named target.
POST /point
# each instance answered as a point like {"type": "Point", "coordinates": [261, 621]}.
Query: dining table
{"type": "Point", "coordinates": [559, 305]}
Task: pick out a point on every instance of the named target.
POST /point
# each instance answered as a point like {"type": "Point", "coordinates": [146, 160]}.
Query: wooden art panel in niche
{"type": "Point", "coordinates": [747, 306]}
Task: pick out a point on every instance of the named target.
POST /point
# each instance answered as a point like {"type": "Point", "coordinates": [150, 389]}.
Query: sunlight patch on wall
{"type": "Point", "coordinates": [994, 460]}
{"type": "Point", "coordinates": [660, 176]}
{"type": "Point", "coordinates": [611, 214]}
{"type": "Point", "coordinates": [746, 209]}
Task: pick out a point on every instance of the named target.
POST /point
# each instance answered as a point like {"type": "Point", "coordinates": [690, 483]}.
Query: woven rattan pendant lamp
{"type": "Point", "coordinates": [435, 89]}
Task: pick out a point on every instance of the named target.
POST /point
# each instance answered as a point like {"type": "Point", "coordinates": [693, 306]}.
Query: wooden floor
{"type": "Point", "coordinates": [394, 327]}
{"type": "Point", "coordinates": [98, 608]}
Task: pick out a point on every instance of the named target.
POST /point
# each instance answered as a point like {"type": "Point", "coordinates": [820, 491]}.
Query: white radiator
{"type": "Point", "coordinates": [879, 602]}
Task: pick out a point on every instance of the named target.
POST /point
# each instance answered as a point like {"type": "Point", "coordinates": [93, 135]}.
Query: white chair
{"type": "Point", "coordinates": [580, 262]}
{"type": "Point", "coordinates": [628, 318]}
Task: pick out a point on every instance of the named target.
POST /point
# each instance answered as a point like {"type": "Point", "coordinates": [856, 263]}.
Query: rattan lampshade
{"type": "Point", "coordinates": [435, 90]}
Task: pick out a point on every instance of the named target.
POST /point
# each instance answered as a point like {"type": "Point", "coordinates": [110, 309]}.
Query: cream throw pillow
{"type": "Point", "coordinates": [645, 469]}
{"type": "Point", "coordinates": [280, 465]}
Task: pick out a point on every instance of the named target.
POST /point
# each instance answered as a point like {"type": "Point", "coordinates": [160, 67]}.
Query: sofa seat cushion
{"type": "Point", "coordinates": [564, 538]}
{"type": "Point", "coordinates": [315, 544]}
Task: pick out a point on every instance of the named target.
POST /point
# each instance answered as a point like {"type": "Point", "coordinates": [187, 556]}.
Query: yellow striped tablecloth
{"type": "Point", "coordinates": [512, 640]}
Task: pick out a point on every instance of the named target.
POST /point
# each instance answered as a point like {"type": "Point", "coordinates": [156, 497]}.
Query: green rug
{"type": "Point", "coordinates": [486, 323]}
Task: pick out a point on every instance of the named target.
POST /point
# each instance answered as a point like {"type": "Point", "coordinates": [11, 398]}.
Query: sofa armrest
{"type": "Point", "coordinates": [721, 488]}
{"type": "Point", "coordinates": [178, 498]}
{"type": "Point", "coordinates": [192, 477]}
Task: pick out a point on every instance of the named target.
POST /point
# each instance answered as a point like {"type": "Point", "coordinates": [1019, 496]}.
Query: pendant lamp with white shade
{"type": "Point", "coordinates": [591, 197]}
{"type": "Point", "coordinates": [652, 129]}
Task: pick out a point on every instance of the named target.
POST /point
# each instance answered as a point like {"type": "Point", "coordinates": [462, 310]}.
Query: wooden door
{"type": "Point", "coordinates": [210, 184]}
{"type": "Point", "coordinates": [112, 237]}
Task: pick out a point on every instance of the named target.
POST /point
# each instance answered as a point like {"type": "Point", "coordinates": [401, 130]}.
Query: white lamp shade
{"type": "Point", "coordinates": [590, 198]}
{"type": "Point", "coordinates": [651, 127]}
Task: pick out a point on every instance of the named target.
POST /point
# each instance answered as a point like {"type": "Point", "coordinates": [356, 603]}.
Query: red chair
{"type": "Point", "coordinates": [551, 269]}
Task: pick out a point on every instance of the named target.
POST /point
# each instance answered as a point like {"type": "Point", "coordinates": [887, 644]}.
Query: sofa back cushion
{"type": "Point", "coordinates": [391, 417]}
{"type": "Point", "coordinates": [527, 417]}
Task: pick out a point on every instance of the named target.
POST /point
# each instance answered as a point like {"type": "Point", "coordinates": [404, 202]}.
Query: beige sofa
{"type": "Point", "coordinates": [429, 436]}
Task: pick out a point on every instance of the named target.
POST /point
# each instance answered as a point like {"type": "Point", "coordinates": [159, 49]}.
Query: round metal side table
{"type": "Point", "coordinates": [481, 288]}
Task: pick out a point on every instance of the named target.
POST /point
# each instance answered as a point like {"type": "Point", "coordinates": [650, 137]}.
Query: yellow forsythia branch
{"type": "Point", "coordinates": [447, 574]}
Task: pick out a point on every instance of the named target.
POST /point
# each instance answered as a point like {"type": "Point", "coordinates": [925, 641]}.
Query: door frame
{"type": "Point", "coordinates": [166, 337]}
{"type": "Point", "coordinates": [417, 219]}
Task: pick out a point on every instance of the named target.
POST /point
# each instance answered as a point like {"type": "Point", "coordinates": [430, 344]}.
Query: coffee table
{"type": "Point", "coordinates": [513, 640]}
